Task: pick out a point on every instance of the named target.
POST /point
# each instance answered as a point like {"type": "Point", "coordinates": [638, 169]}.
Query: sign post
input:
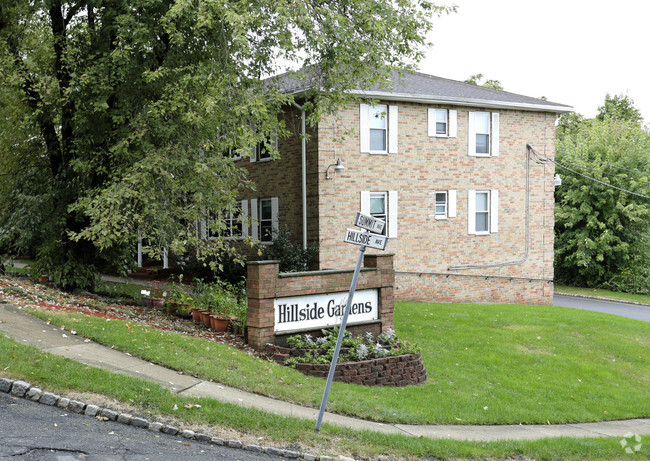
{"type": "Point", "coordinates": [368, 238]}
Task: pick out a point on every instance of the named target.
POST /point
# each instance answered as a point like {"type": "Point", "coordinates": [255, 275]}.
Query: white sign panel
{"type": "Point", "coordinates": [370, 223]}
{"type": "Point", "coordinates": [312, 312]}
{"type": "Point", "coordinates": [365, 238]}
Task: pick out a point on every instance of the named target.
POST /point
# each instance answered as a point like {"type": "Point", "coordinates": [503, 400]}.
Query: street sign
{"type": "Point", "coordinates": [370, 223]}
{"type": "Point", "coordinates": [365, 238]}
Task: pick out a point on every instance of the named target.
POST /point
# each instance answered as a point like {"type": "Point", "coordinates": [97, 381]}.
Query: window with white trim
{"type": "Point", "coordinates": [444, 204]}
{"type": "Point", "coordinates": [234, 220]}
{"type": "Point", "coordinates": [483, 135]}
{"type": "Point", "coordinates": [378, 128]}
{"type": "Point", "coordinates": [483, 212]}
{"type": "Point", "coordinates": [443, 123]}
{"type": "Point", "coordinates": [381, 205]}
{"type": "Point", "coordinates": [235, 223]}
{"type": "Point", "coordinates": [264, 214]}
{"type": "Point", "coordinates": [262, 150]}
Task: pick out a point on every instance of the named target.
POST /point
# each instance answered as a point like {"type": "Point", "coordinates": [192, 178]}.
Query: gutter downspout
{"type": "Point", "coordinates": [304, 176]}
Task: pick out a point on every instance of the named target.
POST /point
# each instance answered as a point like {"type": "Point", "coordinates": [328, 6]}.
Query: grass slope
{"type": "Point", "coordinates": [63, 375]}
{"type": "Point", "coordinates": [487, 364]}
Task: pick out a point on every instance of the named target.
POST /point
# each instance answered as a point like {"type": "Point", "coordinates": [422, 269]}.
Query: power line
{"type": "Point", "coordinates": [609, 175]}
{"type": "Point", "coordinates": [603, 163]}
{"type": "Point", "coordinates": [589, 177]}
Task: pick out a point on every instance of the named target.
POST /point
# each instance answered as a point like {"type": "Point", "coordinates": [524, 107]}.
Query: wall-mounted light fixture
{"type": "Point", "coordinates": [557, 180]}
{"type": "Point", "coordinates": [338, 168]}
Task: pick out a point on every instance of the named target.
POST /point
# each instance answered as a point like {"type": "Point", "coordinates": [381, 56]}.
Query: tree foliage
{"type": "Point", "coordinates": [477, 78]}
{"type": "Point", "coordinates": [118, 117]}
{"type": "Point", "coordinates": [619, 107]}
{"type": "Point", "coordinates": [602, 233]}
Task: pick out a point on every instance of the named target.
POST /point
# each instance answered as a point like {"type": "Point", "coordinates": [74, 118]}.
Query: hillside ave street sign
{"type": "Point", "coordinates": [364, 238]}
{"type": "Point", "coordinates": [370, 223]}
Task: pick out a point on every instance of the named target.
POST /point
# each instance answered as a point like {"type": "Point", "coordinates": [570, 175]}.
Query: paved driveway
{"type": "Point", "coordinates": [631, 311]}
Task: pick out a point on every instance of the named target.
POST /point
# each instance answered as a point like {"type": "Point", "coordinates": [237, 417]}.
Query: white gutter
{"type": "Point", "coordinates": [304, 177]}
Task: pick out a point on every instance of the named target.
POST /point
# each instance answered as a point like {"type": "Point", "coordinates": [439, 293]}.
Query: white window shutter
{"type": "Point", "coordinates": [495, 134]}
{"type": "Point", "coordinates": [431, 122]}
{"type": "Point", "coordinates": [392, 129]}
{"type": "Point", "coordinates": [204, 229]}
{"type": "Point", "coordinates": [255, 225]}
{"type": "Point", "coordinates": [453, 123]}
{"type": "Point", "coordinates": [364, 128]}
{"type": "Point", "coordinates": [365, 202]}
{"type": "Point", "coordinates": [471, 134]}
{"type": "Point", "coordinates": [244, 218]}
{"type": "Point", "coordinates": [471, 212]}
{"type": "Point", "coordinates": [451, 206]}
{"type": "Point", "coordinates": [275, 218]}
{"type": "Point", "coordinates": [494, 211]}
{"type": "Point", "coordinates": [392, 214]}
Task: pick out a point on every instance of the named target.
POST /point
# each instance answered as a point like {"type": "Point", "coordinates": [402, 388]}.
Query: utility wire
{"type": "Point", "coordinates": [590, 178]}
{"type": "Point", "coordinates": [600, 171]}
{"type": "Point", "coordinates": [603, 163]}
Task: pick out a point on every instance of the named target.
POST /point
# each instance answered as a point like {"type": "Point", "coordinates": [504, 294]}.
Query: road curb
{"type": "Point", "coordinates": [601, 298]}
{"type": "Point", "coordinates": [24, 390]}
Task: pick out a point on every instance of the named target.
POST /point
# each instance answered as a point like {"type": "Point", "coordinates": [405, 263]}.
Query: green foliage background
{"type": "Point", "coordinates": [602, 233]}
{"type": "Point", "coordinates": [119, 118]}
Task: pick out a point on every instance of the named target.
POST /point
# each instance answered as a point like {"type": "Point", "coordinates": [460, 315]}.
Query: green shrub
{"type": "Point", "coordinates": [292, 256]}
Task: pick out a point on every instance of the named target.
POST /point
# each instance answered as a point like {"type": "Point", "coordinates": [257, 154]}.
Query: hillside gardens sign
{"type": "Point", "coordinates": [373, 227]}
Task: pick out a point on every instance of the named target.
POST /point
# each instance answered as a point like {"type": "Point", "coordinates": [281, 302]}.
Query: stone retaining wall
{"type": "Point", "coordinates": [401, 370]}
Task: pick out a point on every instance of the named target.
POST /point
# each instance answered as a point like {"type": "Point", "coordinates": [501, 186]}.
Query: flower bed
{"type": "Point", "coordinates": [380, 361]}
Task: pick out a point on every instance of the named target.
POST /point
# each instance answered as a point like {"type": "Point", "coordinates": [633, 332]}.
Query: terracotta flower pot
{"type": "Point", "coordinates": [205, 318]}
{"type": "Point", "coordinates": [196, 314]}
{"type": "Point", "coordinates": [156, 303]}
{"type": "Point", "coordinates": [219, 323]}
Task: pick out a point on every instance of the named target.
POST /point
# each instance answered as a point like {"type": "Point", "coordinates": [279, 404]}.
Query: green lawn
{"type": "Point", "coordinates": [487, 364]}
{"type": "Point", "coordinates": [61, 375]}
{"type": "Point", "coordinates": [643, 299]}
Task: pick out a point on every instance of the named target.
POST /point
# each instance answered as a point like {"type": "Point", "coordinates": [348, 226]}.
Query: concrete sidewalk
{"type": "Point", "coordinates": [27, 329]}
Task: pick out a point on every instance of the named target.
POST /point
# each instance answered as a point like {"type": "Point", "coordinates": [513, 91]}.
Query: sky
{"type": "Point", "coordinates": [573, 52]}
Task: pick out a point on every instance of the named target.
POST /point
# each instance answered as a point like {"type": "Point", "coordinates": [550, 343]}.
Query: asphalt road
{"type": "Point", "coordinates": [32, 431]}
{"type": "Point", "coordinates": [622, 309]}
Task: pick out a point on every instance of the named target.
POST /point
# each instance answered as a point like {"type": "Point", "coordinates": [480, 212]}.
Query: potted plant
{"type": "Point", "coordinates": [180, 300]}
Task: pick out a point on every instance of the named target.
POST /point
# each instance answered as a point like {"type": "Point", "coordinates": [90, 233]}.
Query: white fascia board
{"type": "Point", "coordinates": [483, 103]}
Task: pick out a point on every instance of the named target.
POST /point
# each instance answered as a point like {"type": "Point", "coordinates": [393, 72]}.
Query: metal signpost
{"type": "Point", "coordinates": [364, 239]}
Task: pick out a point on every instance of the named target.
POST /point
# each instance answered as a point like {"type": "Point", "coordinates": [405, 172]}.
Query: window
{"type": "Point", "coordinates": [378, 128]}
{"type": "Point", "coordinates": [441, 204]}
{"type": "Point", "coordinates": [444, 204]}
{"type": "Point", "coordinates": [443, 123]}
{"type": "Point", "coordinates": [483, 134]}
{"type": "Point", "coordinates": [377, 116]}
{"type": "Point", "coordinates": [378, 207]}
{"type": "Point", "coordinates": [382, 205]}
{"type": "Point", "coordinates": [264, 214]}
{"type": "Point", "coordinates": [235, 223]}
{"type": "Point", "coordinates": [262, 150]}
{"type": "Point", "coordinates": [483, 212]}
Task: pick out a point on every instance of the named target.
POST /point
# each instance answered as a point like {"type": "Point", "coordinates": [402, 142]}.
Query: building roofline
{"type": "Point", "coordinates": [470, 102]}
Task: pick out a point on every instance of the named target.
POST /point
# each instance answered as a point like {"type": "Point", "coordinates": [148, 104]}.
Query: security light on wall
{"type": "Point", "coordinates": [338, 168]}
{"type": "Point", "coordinates": [557, 180]}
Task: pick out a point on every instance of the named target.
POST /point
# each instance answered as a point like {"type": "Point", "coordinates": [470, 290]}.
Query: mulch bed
{"type": "Point", "coordinates": [25, 293]}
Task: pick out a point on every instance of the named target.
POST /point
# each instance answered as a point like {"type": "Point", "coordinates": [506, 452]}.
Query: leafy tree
{"type": "Point", "coordinates": [476, 80]}
{"type": "Point", "coordinates": [117, 115]}
{"type": "Point", "coordinates": [619, 107]}
{"type": "Point", "coordinates": [602, 233]}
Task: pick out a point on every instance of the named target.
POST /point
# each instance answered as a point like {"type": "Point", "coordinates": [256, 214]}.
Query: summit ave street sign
{"type": "Point", "coordinates": [370, 223]}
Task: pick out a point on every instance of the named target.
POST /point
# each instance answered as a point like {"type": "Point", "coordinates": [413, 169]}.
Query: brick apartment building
{"type": "Point", "coordinates": [469, 213]}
